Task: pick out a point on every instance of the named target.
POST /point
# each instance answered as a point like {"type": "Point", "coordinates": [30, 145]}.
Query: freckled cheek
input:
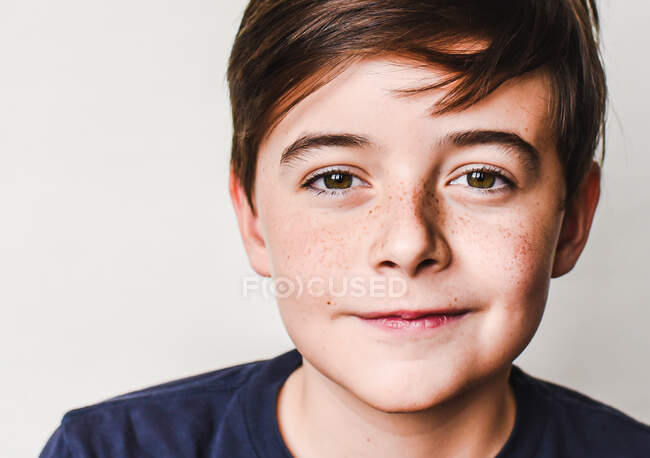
{"type": "Point", "coordinates": [321, 254]}
{"type": "Point", "coordinates": [315, 245]}
{"type": "Point", "coordinates": [509, 258]}
{"type": "Point", "coordinates": [528, 267]}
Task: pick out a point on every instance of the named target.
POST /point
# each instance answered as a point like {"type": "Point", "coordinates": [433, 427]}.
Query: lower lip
{"type": "Point", "coordinates": [422, 325]}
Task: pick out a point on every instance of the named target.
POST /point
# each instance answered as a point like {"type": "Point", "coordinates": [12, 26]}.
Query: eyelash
{"type": "Point", "coordinates": [334, 193]}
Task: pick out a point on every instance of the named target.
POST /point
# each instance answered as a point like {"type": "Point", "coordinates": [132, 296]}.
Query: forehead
{"type": "Point", "coordinates": [376, 95]}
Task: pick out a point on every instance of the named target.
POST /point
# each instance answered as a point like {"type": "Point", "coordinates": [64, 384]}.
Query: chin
{"type": "Point", "coordinates": [404, 406]}
{"type": "Point", "coordinates": [407, 392]}
{"type": "Point", "coordinates": [416, 401]}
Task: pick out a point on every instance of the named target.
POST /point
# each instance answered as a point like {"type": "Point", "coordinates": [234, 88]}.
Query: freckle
{"type": "Point", "coordinates": [455, 299]}
{"type": "Point", "coordinates": [367, 439]}
{"type": "Point", "coordinates": [328, 302]}
{"type": "Point", "coordinates": [370, 212]}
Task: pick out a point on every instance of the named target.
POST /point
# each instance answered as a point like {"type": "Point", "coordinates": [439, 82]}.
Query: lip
{"type": "Point", "coordinates": [411, 314]}
{"type": "Point", "coordinates": [413, 322]}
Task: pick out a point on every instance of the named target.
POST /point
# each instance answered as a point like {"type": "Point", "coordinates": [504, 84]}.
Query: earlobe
{"type": "Point", "coordinates": [577, 221]}
{"type": "Point", "coordinates": [249, 227]}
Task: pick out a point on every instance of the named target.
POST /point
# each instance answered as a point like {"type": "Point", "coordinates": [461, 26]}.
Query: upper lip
{"type": "Point", "coordinates": [411, 314]}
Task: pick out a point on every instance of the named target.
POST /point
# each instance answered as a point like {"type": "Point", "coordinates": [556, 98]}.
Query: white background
{"type": "Point", "coordinates": [120, 258]}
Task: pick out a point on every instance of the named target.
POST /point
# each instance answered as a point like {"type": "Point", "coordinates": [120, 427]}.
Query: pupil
{"type": "Point", "coordinates": [338, 180]}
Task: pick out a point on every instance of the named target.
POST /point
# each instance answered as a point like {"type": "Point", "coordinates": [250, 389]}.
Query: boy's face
{"type": "Point", "coordinates": [463, 210]}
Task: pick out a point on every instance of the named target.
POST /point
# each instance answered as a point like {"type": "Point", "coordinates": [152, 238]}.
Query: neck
{"type": "Point", "coordinates": [318, 417]}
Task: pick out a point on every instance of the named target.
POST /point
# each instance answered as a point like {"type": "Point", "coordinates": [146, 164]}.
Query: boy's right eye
{"type": "Point", "coordinates": [333, 182]}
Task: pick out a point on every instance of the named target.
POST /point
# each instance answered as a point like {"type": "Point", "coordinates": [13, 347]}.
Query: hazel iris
{"type": "Point", "coordinates": [337, 180]}
{"type": "Point", "coordinates": [478, 179]}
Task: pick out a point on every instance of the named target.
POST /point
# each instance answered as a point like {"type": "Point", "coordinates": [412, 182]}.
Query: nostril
{"type": "Point", "coordinates": [389, 263]}
{"type": "Point", "coordinates": [427, 262]}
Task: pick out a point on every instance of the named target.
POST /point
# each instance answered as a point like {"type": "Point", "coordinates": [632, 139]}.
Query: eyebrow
{"type": "Point", "coordinates": [299, 148]}
{"type": "Point", "coordinates": [511, 141]}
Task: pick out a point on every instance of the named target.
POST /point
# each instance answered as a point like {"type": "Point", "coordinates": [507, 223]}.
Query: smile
{"type": "Point", "coordinates": [412, 321]}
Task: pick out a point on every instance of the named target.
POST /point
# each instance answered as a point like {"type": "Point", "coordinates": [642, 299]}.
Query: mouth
{"type": "Point", "coordinates": [413, 320]}
{"type": "Point", "coordinates": [412, 314]}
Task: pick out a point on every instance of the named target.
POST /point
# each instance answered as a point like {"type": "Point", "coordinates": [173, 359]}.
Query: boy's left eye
{"type": "Point", "coordinates": [483, 179]}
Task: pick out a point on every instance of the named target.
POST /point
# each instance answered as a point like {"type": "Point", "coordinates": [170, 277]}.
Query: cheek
{"type": "Point", "coordinates": [318, 253]}
{"type": "Point", "coordinates": [317, 256]}
{"type": "Point", "coordinates": [507, 251]}
{"type": "Point", "coordinates": [510, 261]}
{"type": "Point", "coordinates": [312, 246]}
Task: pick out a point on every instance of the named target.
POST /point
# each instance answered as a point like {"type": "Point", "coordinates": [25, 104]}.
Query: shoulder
{"type": "Point", "coordinates": [177, 418]}
{"type": "Point", "coordinates": [185, 393]}
{"type": "Point", "coordinates": [578, 424]}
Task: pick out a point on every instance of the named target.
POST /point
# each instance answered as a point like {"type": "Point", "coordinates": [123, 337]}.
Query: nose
{"type": "Point", "coordinates": [411, 237]}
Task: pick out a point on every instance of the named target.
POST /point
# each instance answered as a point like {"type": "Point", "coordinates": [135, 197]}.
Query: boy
{"type": "Point", "coordinates": [445, 145]}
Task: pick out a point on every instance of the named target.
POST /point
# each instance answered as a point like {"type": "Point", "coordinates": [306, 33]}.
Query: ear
{"type": "Point", "coordinates": [249, 227]}
{"type": "Point", "coordinates": [576, 225]}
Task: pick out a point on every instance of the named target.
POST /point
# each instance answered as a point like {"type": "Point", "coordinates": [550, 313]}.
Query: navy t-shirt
{"type": "Point", "coordinates": [232, 413]}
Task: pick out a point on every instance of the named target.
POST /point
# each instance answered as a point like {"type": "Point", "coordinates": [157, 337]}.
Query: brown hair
{"type": "Point", "coordinates": [286, 49]}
